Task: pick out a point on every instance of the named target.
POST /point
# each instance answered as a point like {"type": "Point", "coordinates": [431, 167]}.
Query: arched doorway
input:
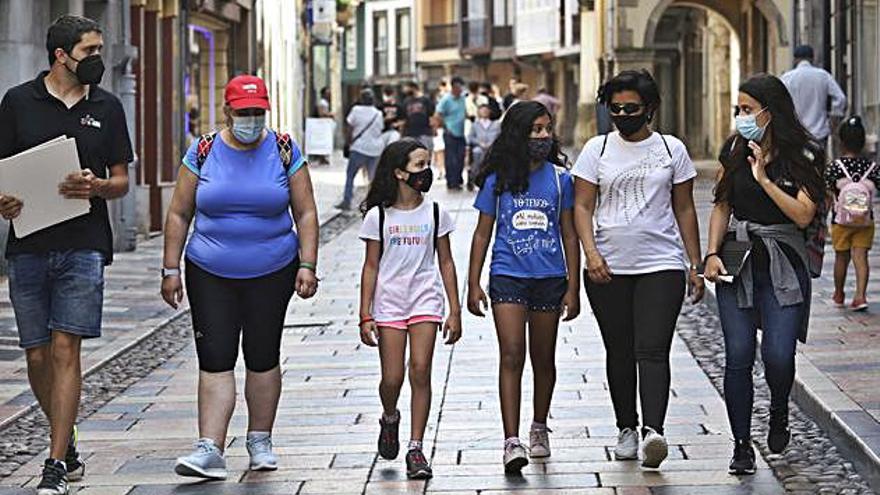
{"type": "Point", "coordinates": [702, 49]}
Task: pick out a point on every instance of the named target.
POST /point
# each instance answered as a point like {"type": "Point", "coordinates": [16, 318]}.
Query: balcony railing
{"type": "Point", "coordinates": [502, 36]}
{"type": "Point", "coordinates": [476, 36]}
{"type": "Point", "coordinates": [439, 36]}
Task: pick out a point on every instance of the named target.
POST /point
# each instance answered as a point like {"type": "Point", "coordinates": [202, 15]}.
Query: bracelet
{"type": "Point", "coordinates": [709, 255]}
{"type": "Point", "coordinates": [308, 266]}
{"type": "Point", "coordinates": [368, 319]}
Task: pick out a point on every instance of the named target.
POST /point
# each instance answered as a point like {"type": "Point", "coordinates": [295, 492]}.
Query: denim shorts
{"type": "Point", "coordinates": [58, 290]}
{"type": "Point", "coordinates": [537, 294]}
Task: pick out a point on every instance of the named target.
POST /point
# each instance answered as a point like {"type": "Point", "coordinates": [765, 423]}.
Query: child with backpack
{"type": "Point", "coordinates": [402, 296]}
{"type": "Point", "coordinates": [853, 180]}
{"type": "Point", "coordinates": [526, 196]}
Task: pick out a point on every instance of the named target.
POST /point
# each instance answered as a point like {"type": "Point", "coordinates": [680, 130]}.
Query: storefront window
{"type": "Point", "coordinates": [870, 63]}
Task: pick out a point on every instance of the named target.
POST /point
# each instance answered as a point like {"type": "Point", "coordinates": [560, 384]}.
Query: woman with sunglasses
{"type": "Point", "coordinates": [638, 186]}
{"type": "Point", "coordinates": [770, 182]}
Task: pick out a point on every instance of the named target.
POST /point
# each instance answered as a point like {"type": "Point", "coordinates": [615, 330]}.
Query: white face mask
{"type": "Point", "coordinates": [248, 130]}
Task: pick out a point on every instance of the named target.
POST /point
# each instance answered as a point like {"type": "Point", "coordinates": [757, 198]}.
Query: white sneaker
{"type": "Point", "coordinates": [539, 441]}
{"type": "Point", "coordinates": [260, 450]}
{"type": "Point", "coordinates": [515, 458]}
{"type": "Point", "coordinates": [205, 462]}
{"type": "Point", "coordinates": [655, 449]}
{"type": "Point", "coordinates": [627, 448]}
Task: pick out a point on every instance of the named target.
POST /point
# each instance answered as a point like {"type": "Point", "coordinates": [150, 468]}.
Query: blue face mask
{"type": "Point", "coordinates": [747, 127]}
{"type": "Point", "coordinates": [248, 130]}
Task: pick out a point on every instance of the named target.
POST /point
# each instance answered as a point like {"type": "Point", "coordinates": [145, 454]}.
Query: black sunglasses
{"type": "Point", "coordinates": [627, 108]}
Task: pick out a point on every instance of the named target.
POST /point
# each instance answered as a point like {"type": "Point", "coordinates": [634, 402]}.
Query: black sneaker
{"type": "Point", "coordinates": [76, 468]}
{"type": "Point", "coordinates": [417, 467]}
{"type": "Point", "coordinates": [779, 435]}
{"type": "Point", "coordinates": [389, 444]}
{"type": "Point", "coordinates": [743, 461]}
{"type": "Point", "coordinates": [54, 481]}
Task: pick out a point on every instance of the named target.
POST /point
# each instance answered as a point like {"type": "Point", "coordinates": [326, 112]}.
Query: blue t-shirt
{"type": "Point", "coordinates": [528, 238]}
{"type": "Point", "coordinates": [243, 226]}
{"type": "Point", "coordinates": [454, 113]}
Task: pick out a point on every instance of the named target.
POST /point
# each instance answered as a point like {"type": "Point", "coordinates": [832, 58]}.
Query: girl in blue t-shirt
{"type": "Point", "coordinates": [535, 270]}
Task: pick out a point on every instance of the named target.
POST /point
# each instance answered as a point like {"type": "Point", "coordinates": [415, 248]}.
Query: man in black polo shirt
{"type": "Point", "coordinates": [56, 279]}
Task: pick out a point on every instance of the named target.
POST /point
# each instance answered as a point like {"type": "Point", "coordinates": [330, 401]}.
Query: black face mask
{"type": "Point", "coordinates": [421, 181]}
{"type": "Point", "coordinates": [539, 148]}
{"type": "Point", "coordinates": [629, 124]}
{"type": "Point", "coordinates": [89, 70]}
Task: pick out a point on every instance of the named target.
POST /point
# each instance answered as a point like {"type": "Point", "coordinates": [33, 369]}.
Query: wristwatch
{"type": "Point", "coordinates": [170, 272]}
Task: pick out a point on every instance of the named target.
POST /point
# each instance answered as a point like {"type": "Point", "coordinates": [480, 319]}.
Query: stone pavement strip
{"type": "Point", "coordinates": [327, 424]}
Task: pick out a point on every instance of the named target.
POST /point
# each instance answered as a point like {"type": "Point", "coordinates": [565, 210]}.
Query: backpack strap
{"type": "Point", "coordinates": [206, 142]}
{"type": "Point", "coordinates": [604, 144]}
{"type": "Point", "coordinates": [557, 172]}
{"type": "Point", "coordinates": [436, 224]}
{"type": "Point", "coordinates": [867, 174]}
{"type": "Point", "coordinates": [285, 148]}
{"type": "Point", "coordinates": [381, 231]}
{"type": "Point", "coordinates": [842, 167]}
{"type": "Point", "coordinates": [665, 144]}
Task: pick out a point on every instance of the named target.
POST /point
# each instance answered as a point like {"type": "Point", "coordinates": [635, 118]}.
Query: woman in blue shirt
{"type": "Point", "coordinates": [527, 196]}
{"type": "Point", "coordinates": [243, 263]}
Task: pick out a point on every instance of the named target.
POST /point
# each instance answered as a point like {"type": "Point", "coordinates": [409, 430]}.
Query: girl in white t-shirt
{"type": "Point", "coordinates": [402, 296]}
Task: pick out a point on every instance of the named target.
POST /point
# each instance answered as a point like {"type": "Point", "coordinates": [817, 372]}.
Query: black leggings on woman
{"type": "Point", "coordinates": [637, 315]}
{"type": "Point", "coordinates": [226, 310]}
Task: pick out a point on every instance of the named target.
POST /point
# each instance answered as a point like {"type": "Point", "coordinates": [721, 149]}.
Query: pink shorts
{"type": "Point", "coordinates": [405, 324]}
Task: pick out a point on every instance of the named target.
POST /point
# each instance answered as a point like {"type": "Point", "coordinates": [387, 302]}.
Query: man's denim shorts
{"type": "Point", "coordinates": [58, 290]}
{"type": "Point", "coordinates": [537, 294]}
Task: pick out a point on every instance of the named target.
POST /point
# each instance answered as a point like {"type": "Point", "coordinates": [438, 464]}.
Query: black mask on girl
{"type": "Point", "coordinates": [89, 70]}
{"type": "Point", "coordinates": [421, 181]}
{"type": "Point", "coordinates": [630, 124]}
{"type": "Point", "coordinates": [539, 148]}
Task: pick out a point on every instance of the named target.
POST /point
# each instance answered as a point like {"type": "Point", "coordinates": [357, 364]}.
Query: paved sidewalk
{"type": "Point", "coordinates": [132, 306]}
{"type": "Point", "coordinates": [327, 424]}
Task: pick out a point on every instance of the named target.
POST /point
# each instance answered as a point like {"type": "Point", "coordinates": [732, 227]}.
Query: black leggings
{"type": "Point", "coordinates": [222, 308]}
{"type": "Point", "coordinates": [637, 315]}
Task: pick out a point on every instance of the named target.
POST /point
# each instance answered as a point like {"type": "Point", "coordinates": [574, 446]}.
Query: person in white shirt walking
{"type": "Point", "coordinates": [365, 123]}
{"type": "Point", "coordinates": [811, 88]}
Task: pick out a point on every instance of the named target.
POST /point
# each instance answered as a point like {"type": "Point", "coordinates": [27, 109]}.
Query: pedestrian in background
{"type": "Point", "coordinates": [852, 180]}
{"type": "Point", "coordinates": [771, 181]}
{"type": "Point", "coordinates": [417, 111]}
{"type": "Point", "coordinates": [488, 93]}
{"type": "Point", "coordinates": [323, 110]}
{"type": "Point", "coordinates": [638, 186]}
{"type": "Point", "coordinates": [483, 133]}
{"type": "Point", "coordinates": [402, 290]}
{"type": "Point", "coordinates": [811, 88]}
{"type": "Point", "coordinates": [244, 261]}
{"type": "Point", "coordinates": [56, 275]}
{"type": "Point", "coordinates": [548, 100]}
{"type": "Point", "coordinates": [452, 112]}
{"type": "Point", "coordinates": [526, 196]}
{"type": "Point", "coordinates": [365, 124]}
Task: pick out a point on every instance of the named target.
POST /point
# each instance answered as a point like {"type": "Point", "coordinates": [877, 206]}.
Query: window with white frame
{"type": "Point", "coordinates": [380, 43]}
{"type": "Point", "coordinates": [404, 42]}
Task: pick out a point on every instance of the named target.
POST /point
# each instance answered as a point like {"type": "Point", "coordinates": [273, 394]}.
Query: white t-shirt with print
{"type": "Point", "coordinates": [409, 282]}
{"type": "Point", "coordinates": [636, 230]}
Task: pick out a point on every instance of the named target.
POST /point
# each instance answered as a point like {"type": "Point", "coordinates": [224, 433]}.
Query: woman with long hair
{"type": "Point", "coordinates": [526, 196]}
{"type": "Point", "coordinates": [638, 186]}
{"type": "Point", "coordinates": [770, 183]}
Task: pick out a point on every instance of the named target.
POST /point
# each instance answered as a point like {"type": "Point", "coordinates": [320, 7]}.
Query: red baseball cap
{"type": "Point", "coordinates": [247, 92]}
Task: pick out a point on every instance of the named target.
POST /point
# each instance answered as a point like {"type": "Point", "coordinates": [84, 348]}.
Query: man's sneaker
{"type": "Point", "coordinates": [259, 448]}
{"type": "Point", "coordinates": [655, 449]}
{"type": "Point", "coordinates": [205, 462]}
{"type": "Point", "coordinates": [417, 467]}
{"type": "Point", "coordinates": [76, 467]}
{"type": "Point", "coordinates": [54, 481]}
{"type": "Point", "coordinates": [389, 443]}
{"type": "Point", "coordinates": [539, 442]}
{"type": "Point", "coordinates": [627, 448]}
{"type": "Point", "coordinates": [515, 457]}
{"type": "Point", "coordinates": [743, 461]}
{"type": "Point", "coordinates": [779, 434]}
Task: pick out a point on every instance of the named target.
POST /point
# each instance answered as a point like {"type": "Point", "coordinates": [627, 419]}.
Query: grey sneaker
{"type": "Point", "coordinates": [515, 458]}
{"type": "Point", "coordinates": [260, 450]}
{"type": "Point", "coordinates": [205, 462]}
{"type": "Point", "coordinates": [54, 480]}
{"type": "Point", "coordinates": [627, 448]}
{"type": "Point", "coordinates": [417, 467]}
{"type": "Point", "coordinates": [76, 467]}
{"type": "Point", "coordinates": [656, 449]}
{"type": "Point", "coordinates": [539, 441]}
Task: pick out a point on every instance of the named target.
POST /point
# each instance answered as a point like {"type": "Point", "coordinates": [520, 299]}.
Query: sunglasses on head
{"type": "Point", "coordinates": [627, 108]}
